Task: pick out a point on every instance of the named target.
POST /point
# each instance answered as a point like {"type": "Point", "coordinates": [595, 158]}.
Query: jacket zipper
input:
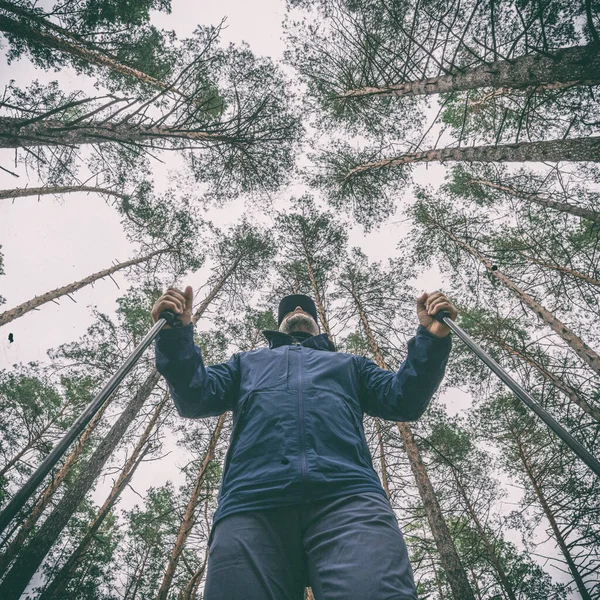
{"type": "Point", "coordinates": [301, 415]}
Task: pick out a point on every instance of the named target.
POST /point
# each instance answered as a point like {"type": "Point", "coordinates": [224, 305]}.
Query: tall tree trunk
{"type": "Point", "coordinates": [191, 589]}
{"type": "Point", "coordinates": [62, 578]}
{"type": "Point", "coordinates": [559, 206]}
{"type": "Point", "coordinates": [560, 540]}
{"type": "Point", "coordinates": [582, 350]}
{"type": "Point", "coordinates": [455, 572]}
{"type": "Point", "coordinates": [47, 132]}
{"type": "Point", "coordinates": [494, 558]}
{"type": "Point", "coordinates": [189, 519]}
{"type": "Point", "coordinates": [59, 189]}
{"type": "Point", "coordinates": [565, 67]}
{"type": "Point", "coordinates": [570, 392]}
{"type": "Point", "coordinates": [316, 291]}
{"type": "Point", "coordinates": [17, 542]}
{"type": "Point", "coordinates": [34, 553]}
{"type": "Point", "coordinates": [19, 311]}
{"type": "Point", "coordinates": [46, 33]}
{"type": "Point", "coordinates": [576, 149]}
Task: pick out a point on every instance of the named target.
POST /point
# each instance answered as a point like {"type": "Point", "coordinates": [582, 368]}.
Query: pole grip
{"type": "Point", "coordinates": [171, 318]}
{"type": "Point", "coordinates": [441, 315]}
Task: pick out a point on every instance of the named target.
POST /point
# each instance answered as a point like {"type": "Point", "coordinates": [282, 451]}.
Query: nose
{"type": "Point", "coordinates": [298, 308]}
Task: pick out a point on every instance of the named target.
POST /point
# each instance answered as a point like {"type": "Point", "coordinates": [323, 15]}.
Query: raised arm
{"type": "Point", "coordinates": [404, 396]}
{"type": "Point", "coordinates": [197, 391]}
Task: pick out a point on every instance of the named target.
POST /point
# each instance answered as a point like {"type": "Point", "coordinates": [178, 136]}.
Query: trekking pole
{"type": "Point", "coordinates": [444, 317]}
{"type": "Point", "coordinates": [17, 502]}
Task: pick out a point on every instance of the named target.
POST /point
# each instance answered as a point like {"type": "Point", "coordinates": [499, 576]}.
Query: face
{"type": "Point", "coordinates": [299, 320]}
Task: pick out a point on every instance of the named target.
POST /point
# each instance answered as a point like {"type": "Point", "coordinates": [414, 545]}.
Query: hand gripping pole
{"type": "Point", "coordinates": [593, 463]}
{"type": "Point", "coordinates": [20, 498]}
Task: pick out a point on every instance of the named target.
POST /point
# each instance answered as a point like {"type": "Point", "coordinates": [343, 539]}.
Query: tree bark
{"type": "Point", "coordinates": [455, 572]}
{"type": "Point", "coordinates": [560, 540]}
{"type": "Point", "coordinates": [559, 206]}
{"type": "Point", "coordinates": [191, 589]}
{"type": "Point", "coordinates": [62, 578]}
{"type": "Point", "coordinates": [566, 67]}
{"type": "Point", "coordinates": [48, 132]}
{"type": "Point", "coordinates": [17, 542]}
{"type": "Point", "coordinates": [576, 149]}
{"type": "Point", "coordinates": [589, 356]}
{"type": "Point", "coordinates": [60, 189]}
{"type": "Point", "coordinates": [19, 311]}
{"type": "Point", "coordinates": [316, 291]}
{"type": "Point", "coordinates": [188, 520]}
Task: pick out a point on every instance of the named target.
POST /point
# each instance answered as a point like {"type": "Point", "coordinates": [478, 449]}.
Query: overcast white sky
{"type": "Point", "coordinates": [50, 243]}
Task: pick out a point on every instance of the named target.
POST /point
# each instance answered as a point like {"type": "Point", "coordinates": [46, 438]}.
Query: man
{"type": "Point", "coordinates": [300, 501]}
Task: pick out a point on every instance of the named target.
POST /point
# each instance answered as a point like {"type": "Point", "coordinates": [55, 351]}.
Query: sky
{"type": "Point", "coordinates": [52, 242]}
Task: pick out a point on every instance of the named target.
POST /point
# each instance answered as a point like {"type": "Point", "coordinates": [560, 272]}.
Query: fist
{"type": "Point", "coordinates": [180, 303]}
{"type": "Point", "coordinates": [430, 304]}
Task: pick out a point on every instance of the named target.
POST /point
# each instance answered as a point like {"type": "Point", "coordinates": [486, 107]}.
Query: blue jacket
{"type": "Point", "coordinates": [297, 431]}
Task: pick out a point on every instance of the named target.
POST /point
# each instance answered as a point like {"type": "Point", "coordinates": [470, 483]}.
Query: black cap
{"type": "Point", "coordinates": [289, 304]}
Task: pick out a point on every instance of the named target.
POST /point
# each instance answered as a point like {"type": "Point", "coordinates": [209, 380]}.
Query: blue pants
{"type": "Point", "coordinates": [346, 549]}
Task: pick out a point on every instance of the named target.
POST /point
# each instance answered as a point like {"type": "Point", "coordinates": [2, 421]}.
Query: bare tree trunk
{"type": "Point", "coordinates": [455, 572]}
{"type": "Point", "coordinates": [495, 560]}
{"type": "Point", "coordinates": [47, 132]}
{"type": "Point", "coordinates": [191, 589]}
{"type": "Point", "coordinates": [576, 149]}
{"type": "Point", "coordinates": [59, 189]}
{"type": "Point", "coordinates": [316, 291]}
{"type": "Point", "coordinates": [17, 542]}
{"type": "Point", "coordinates": [189, 518]}
{"type": "Point", "coordinates": [62, 578]}
{"type": "Point", "coordinates": [582, 350]}
{"type": "Point", "coordinates": [19, 311]}
{"type": "Point", "coordinates": [560, 540]}
{"type": "Point", "coordinates": [559, 206]}
{"type": "Point", "coordinates": [566, 67]}
{"type": "Point", "coordinates": [566, 389]}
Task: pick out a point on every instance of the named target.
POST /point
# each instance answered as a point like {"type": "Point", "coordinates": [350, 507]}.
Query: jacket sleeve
{"type": "Point", "coordinates": [404, 396]}
{"type": "Point", "coordinates": [197, 391]}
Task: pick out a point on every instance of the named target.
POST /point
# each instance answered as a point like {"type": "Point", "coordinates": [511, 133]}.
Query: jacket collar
{"type": "Point", "coordinates": [317, 342]}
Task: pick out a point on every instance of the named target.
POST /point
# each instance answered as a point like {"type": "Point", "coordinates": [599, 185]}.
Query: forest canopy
{"type": "Point", "coordinates": [357, 151]}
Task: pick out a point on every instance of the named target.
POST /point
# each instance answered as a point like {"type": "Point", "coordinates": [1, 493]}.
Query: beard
{"type": "Point", "coordinates": [299, 322]}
